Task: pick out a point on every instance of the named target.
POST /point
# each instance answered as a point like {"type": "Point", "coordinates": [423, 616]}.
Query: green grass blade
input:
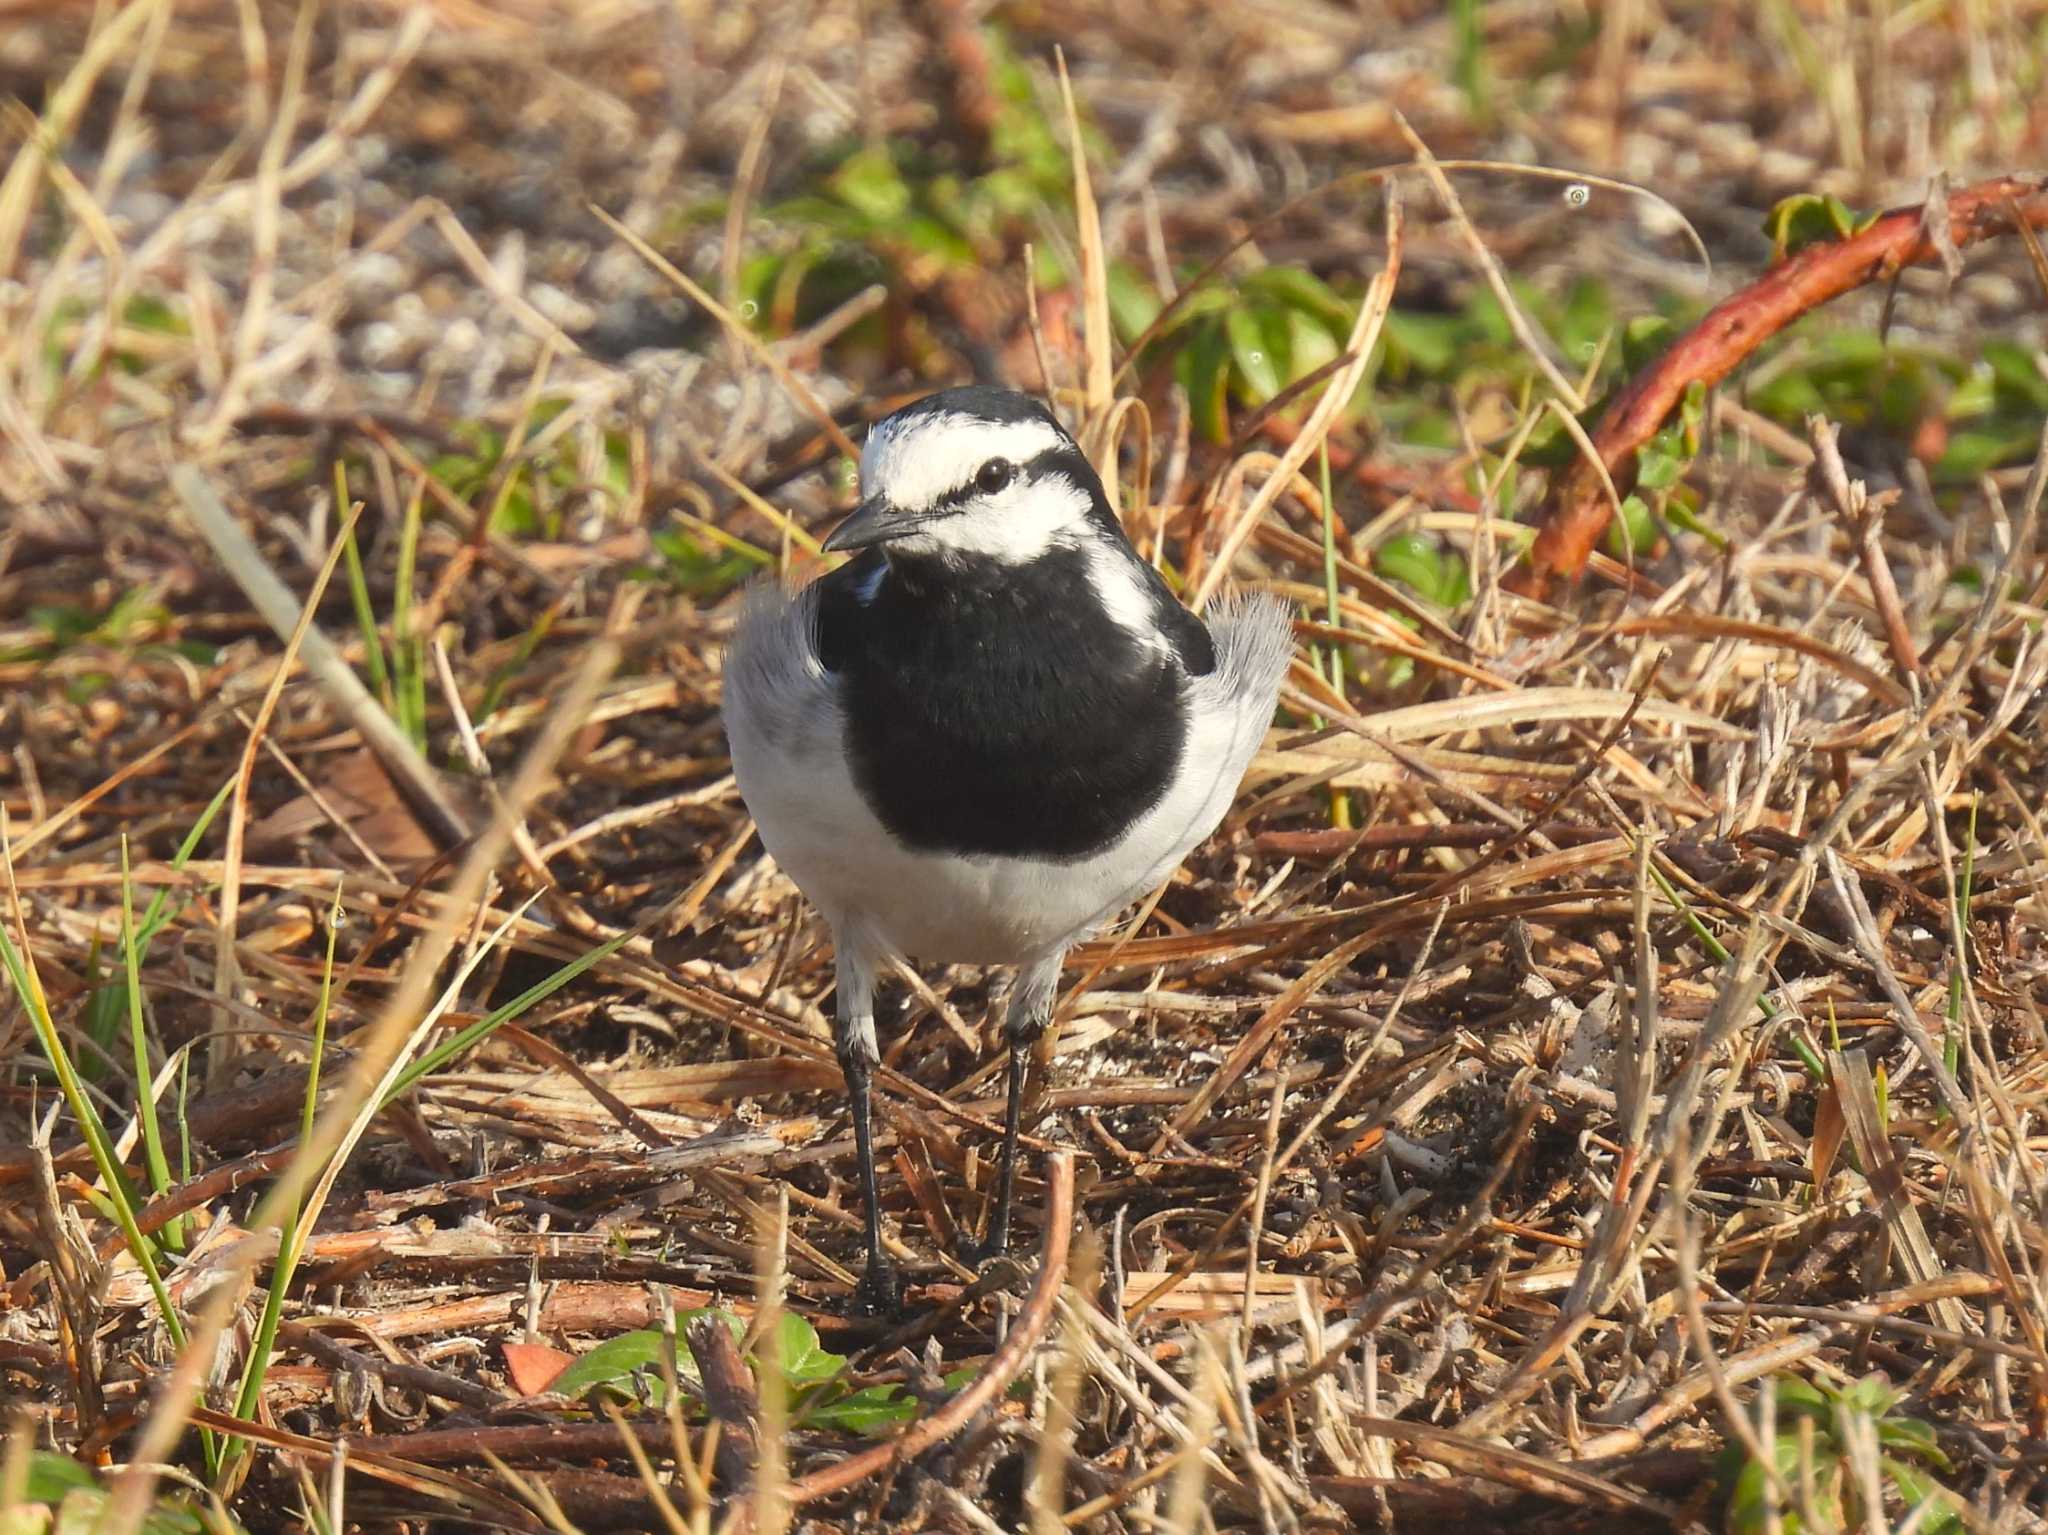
{"type": "Point", "coordinates": [1340, 801]}
{"type": "Point", "coordinates": [359, 598]}
{"type": "Point", "coordinates": [1952, 1037]}
{"type": "Point", "coordinates": [159, 913]}
{"type": "Point", "coordinates": [265, 1342]}
{"type": "Point", "coordinates": [1808, 1057]}
{"type": "Point", "coordinates": [433, 1060]}
{"type": "Point", "coordinates": [407, 659]}
{"type": "Point", "coordinates": [138, 1038]}
{"type": "Point", "coordinates": [98, 1143]}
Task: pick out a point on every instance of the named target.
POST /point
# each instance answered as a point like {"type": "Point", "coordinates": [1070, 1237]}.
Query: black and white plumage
{"type": "Point", "coordinates": [989, 732]}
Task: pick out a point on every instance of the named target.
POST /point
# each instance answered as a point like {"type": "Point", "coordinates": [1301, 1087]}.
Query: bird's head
{"type": "Point", "coordinates": [973, 472]}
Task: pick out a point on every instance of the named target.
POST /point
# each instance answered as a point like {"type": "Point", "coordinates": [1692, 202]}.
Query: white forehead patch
{"type": "Point", "coordinates": [915, 462]}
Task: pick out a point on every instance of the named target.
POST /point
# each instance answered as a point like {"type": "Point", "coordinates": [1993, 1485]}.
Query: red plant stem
{"type": "Point", "coordinates": [1578, 509]}
{"type": "Point", "coordinates": [1024, 1336]}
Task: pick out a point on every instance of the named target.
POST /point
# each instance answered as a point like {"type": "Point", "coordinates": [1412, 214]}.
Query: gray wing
{"type": "Point", "coordinates": [1254, 637]}
{"type": "Point", "coordinates": [777, 691]}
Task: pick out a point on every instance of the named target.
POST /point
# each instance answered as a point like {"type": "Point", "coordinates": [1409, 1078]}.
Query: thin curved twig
{"type": "Point", "coordinates": [1578, 508]}
{"type": "Point", "coordinates": [1002, 1368]}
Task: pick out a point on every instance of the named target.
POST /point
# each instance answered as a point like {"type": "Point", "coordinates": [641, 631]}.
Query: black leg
{"type": "Point", "coordinates": [997, 1242]}
{"type": "Point", "coordinates": [881, 1288]}
{"type": "Point", "coordinates": [1029, 1011]}
{"type": "Point", "coordinates": [853, 1037]}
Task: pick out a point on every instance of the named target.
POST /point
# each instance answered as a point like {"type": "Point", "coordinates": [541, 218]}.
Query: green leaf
{"type": "Point", "coordinates": [1202, 304]}
{"type": "Point", "coordinates": [1417, 563]}
{"type": "Point", "coordinates": [1300, 289]}
{"type": "Point", "coordinates": [1912, 1436]}
{"type": "Point", "coordinates": [1974, 450]}
{"type": "Point", "coordinates": [937, 239]}
{"type": "Point", "coordinates": [81, 1510]}
{"type": "Point", "coordinates": [1976, 394]}
{"type": "Point", "coordinates": [104, 1018]}
{"type": "Point", "coordinates": [1454, 587]}
{"type": "Point", "coordinates": [1644, 339]}
{"type": "Point", "coordinates": [1549, 445]}
{"type": "Point", "coordinates": [1486, 318]}
{"type": "Point", "coordinates": [805, 1362]}
{"type": "Point", "coordinates": [1681, 515]}
{"type": "Point", "coordinates": [629, 1364]}
{"type": "Point", "coordinates": [1916, 1487]}
{"type": "Point", "coordinates": [871, 1409]}
{"type": "Point", "coordinates": [1692, 414]}
{"type": "Point", "coordinates": [861, 1412]}
{"type": "Point", "coordinates": [868, 182]}
{"type": "Point", "coordinates": [147, 311]}
{"type": "Point", "coordinates": [51, 1475]}
{"type": "Point", "coordinates": [1309, 347]}
{"type": "Point", "coordinates": [1798, 1398]}
{"type": "Point", "coordinates": [1657, 465]}
{"type": "Point", "coordinates": [698, 570]}
{"type": "Point", "coordinates": [1427, 343]}
{"type": "Point", "coordinates": [1746, 1504]}
{"type": "Point", "coordinates": [1631, 535]}
{"type": "Point", "coordinates": [2016, 372]}
{"type": "Point", "coordinates": [1257, 346]}
{"type": "Point", "coordinates": [1872, 1394]}
{"type": "Point", "coordinates": [1810, 218]}
{"type": "Point", "coordinates": [1132, 303]}
{"type": "Point", "coordinates": [1587, 317]}
{"type": "Point", "coordinates": [1205, 374]}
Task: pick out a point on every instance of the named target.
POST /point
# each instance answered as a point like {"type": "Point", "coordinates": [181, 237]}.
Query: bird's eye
{"type": "Point", "coordinates": [994, 475]}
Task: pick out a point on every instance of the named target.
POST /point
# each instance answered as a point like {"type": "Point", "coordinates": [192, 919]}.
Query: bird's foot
{"type": "Point", "coordinates": [880, 1292]}
{"type": "Point", "coordinates": [978, 1254]}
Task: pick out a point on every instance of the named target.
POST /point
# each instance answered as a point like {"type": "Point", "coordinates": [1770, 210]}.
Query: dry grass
{"type": "Point", "coordinates": [1617, 1004]}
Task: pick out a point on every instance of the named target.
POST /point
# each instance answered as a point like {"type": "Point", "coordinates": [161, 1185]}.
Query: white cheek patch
{"type": "Point", "coordinates": [917, 463]}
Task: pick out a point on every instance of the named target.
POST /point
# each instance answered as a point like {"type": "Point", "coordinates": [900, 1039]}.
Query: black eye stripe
{"type": "Point", "coordinates": [1061, 461]}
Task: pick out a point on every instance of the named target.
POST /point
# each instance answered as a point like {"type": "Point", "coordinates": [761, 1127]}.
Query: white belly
{"type": "Point", "coordinates": [982, 909]}
{"type": "Point", "coordinates": [782, 723]}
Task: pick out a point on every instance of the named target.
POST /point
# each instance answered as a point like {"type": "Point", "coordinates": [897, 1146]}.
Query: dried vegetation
{"type": "Point", "coordinates": [1607, 1032]}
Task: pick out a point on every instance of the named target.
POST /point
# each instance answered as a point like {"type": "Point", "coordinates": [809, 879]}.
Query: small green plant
{"type": "Point", "coordinates": [629, 1367]}
{"type": "Point", "coordinates": [1249, 338]}
{"type": "Point", "coordinates": [1812, 218]}
{"type": "Point", "coordinates": [895, 213]}
{"type": "Point", "coordinates": [1988, 407]}
{"type": "Point", "coordinates": [697, 565]}
{"type": "Point", "coordinates": [1438, 575]}
{"type": "Point", "coordinates": [146, 321]}
{"type": "Point", "coordinates": [1818, 1428]}
{"type": "Point", "coordinates": [131, 628]}
{"type": "Point", "coordinates": [1435, 574]}
{"type": "Point", "coordinates": [62, 1496]}
{"type": "Point", "coordinates": [533, 495]}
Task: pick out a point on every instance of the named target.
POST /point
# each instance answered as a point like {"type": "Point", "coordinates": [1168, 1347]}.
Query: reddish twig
{"type": "Point", "coordinates": [1578, 509]}
{"type": "Point", "coordinates": [730, 1397]}
{"type": "Point", "coordinates": [1024, 1336]}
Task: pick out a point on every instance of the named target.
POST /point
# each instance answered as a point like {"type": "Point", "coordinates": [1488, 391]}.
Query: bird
{"type": "Point", "coordinates": [986, 733]}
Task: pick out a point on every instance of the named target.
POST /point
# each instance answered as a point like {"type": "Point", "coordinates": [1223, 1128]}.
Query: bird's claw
{"type": "Point", "coordinates": [978, 1254]}
{"type": "Point", "coordinates": [880, 1292]}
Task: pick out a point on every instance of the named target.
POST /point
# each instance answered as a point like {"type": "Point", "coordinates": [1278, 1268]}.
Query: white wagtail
{"type": "Point", "coordinates": [989, 732]}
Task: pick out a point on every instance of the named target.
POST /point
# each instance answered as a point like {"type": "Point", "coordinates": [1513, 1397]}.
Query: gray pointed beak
{"type": "Point", "coordinates": [874, 521]}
